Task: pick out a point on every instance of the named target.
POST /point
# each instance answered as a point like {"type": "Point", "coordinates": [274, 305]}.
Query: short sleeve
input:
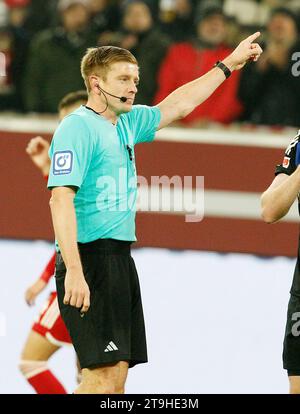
{"type": "Point", "coordinates": [144, 122]}
{"type": "Point", "coordinates": [288, 165]}
{"type": "Point", "coordinates": [70, 153]}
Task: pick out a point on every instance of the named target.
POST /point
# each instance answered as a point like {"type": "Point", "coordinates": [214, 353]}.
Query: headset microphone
{"type": "Point", "coordinates": [122, 98]}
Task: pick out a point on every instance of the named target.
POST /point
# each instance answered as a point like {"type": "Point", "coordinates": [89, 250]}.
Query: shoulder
{"type": "Point", "coordinates": [42, 38]}
{"type": "Point", "coordinates": [137, 111]}
{"type": "Point", "coordinates": [182, 49]}
{"type": "Point", "coordinates": [139, 116]}
{"type": "Point", "coordinates": [160, 36]}
{"type": "Point", "coordinates": [73, 124]}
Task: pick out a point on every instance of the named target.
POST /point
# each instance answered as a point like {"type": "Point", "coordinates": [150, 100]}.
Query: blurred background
{"type": "Point", "coordinates": [216, 290]}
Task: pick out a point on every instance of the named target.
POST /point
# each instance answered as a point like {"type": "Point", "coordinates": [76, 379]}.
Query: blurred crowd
{"type": "Point", "coordinates": [175, 41]}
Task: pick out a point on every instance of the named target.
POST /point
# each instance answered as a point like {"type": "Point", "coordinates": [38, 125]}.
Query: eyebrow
{"type": "Point", "coordinates": [128, 77]}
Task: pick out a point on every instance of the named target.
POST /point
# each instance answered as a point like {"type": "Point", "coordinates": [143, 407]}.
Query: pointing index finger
{"type": "Point", "coordinates": [252, 37]}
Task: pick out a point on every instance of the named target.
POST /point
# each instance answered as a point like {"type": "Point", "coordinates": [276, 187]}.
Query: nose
{"type": "Point", "coordinates": [133, 87]}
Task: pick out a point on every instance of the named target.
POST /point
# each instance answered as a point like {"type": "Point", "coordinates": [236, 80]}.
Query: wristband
{"type": "Point", "coordinates": [224, 68]}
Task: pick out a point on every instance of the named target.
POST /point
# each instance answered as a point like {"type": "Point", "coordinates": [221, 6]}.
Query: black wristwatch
{"type": "Point", "coordinates": [224, 68]}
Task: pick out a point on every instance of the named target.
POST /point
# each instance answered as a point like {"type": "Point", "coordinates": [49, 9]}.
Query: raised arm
{"type": "Point", "coordinates": [184, 100]}
{"type": "Point", "coordinates": [279, 197]}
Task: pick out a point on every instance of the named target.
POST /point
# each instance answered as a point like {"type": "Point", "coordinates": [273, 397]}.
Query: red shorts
{"type": "Point", "coordinates": [50, 323]}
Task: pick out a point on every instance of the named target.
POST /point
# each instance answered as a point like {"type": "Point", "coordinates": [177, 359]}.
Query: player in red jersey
{"type": "Point", "coordinates": [48, 332]}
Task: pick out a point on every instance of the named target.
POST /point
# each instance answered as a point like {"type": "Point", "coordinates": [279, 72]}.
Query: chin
{"type": "Point", "coordinates": [126, 107]}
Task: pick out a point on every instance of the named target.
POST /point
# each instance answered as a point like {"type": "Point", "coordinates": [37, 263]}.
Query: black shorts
{"type": "Point", "coordinates": [113, 328]}
{"type": "Point", "coordinates": [291, 346]}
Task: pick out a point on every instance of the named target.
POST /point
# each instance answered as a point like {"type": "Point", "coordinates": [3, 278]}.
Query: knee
{"type": "Point", "coordinates": [87, 387]}
{"type": "Point", "coordinates": [32, 368]}
{"type": "Point", "coordinates": [294, 389]}
{"type": "Point", "coordinates": [119, 390]}
{"type": "Point", "coordinates": [294, 385]}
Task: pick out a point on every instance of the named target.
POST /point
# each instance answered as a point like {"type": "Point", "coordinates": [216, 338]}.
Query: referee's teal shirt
{"type": "Point", "coordinates": [90, 153]}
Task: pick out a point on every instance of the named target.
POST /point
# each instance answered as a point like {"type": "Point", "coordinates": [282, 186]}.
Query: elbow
{"type": "Point", "coordinates": [267, 216]}
{"type": "Point", "coordinates": [267, 213]}
{"type": "Point", "coordinates": [54, 201]}
{"type": "Point", "coordinates": [51, 202]}
{"type": "Point", "coordinates": [184, 111]}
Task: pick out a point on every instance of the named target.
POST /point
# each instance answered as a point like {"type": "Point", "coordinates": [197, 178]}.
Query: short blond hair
{"type": "Point", "coordinates": [97, 60]}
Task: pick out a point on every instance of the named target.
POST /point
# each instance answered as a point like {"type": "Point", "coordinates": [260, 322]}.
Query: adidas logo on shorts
{"type": "Point", "coordinates": [111, 347]}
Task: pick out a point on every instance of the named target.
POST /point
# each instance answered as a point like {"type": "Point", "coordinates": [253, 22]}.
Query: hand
{"type": "Point", "coordinates": [77, 292]}
{"type": "Point", "coordinates": [245, 51]}
{"type": "Point", "coordinates": [33, 291]}
{"type": "Point", "coordinates": [37, 149]}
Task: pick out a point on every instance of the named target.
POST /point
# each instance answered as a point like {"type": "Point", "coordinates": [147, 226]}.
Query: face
{"type": "Point", "coordinates": [282, 28]}
{"type": "Point", "coordinates": [183, 7]}
{"type": "Point", "coordinates": [18, 16]}
{"type": "Point", "coordinates": [69, 109]}
{"type": "Point", "coordinates": [121, 80]}
{"type": "Point", "coordinates": [213, 29]}
{"type": "Point", "coordinates": [137, 18]}
{"type": "Point", "coordinates": [75, 18]}
{"type": "Point", "coordinates": [97, 6]}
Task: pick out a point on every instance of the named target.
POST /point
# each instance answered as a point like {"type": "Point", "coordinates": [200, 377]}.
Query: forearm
{"type": "Point", "coordinates": [65, 228]}
{"type": "Point", "coordinates": [276, 202]}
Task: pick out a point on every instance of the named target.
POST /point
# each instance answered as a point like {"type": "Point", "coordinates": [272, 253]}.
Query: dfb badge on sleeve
{"type": "Point", "coordinates": [62, 162]}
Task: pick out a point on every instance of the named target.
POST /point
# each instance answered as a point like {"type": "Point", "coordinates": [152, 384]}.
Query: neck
{"type": "Point", "coordinates": [99, 106]}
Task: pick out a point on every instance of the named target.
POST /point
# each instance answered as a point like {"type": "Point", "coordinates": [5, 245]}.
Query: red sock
{"type": "Point", "coordinates": [46, 383]}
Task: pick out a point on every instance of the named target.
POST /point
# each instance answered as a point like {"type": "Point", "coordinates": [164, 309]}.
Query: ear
{"type": "Point", "coordinates": [94, 83]}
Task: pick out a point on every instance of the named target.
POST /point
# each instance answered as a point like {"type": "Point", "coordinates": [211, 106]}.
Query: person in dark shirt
{"type": "Point", "coordinates": [54, 56]}
{"type": "Point", "coordinates": [143, 38]}
{"type": "Point", "coordinates": [270, 91]}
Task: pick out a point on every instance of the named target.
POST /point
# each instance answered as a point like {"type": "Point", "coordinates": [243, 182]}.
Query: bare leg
{"type": "Point", "coordinates": [38, 348]}
{"type": "Point", "coordinates": [108, 379]}
{"type": "Point", "coordinates": [294, 384]}
{"type": "Point", "coordinates": [33, 365]}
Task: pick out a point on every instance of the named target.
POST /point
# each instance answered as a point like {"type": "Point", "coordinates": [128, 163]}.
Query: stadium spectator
{"type": "Point", "coordinates": [6, 83]}
{"type": "Point", "coordinates": [54, 56]}
{"type": "Point", "coordinates": [105, 16]}
{"type": "Point", "coordinates": [178, 24]}
{"type": "Point", "coordinates": [189, 60]}
{"type": "Point", "coordinates": [16, 53]}
{"type": "Point", "coordinates": [147, 43]}
{"type": "Point", "coordinates": [270, 91]}
{"type": "Point", "coordinates": [41, 15]}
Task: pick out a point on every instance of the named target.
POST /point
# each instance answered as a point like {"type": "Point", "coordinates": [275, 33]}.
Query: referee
{"type": "Point", "coordinates": [94, 182]}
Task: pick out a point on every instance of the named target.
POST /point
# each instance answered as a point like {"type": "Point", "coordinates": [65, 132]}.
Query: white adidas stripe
{"type": "Point", "coordinates": [113, 346]}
